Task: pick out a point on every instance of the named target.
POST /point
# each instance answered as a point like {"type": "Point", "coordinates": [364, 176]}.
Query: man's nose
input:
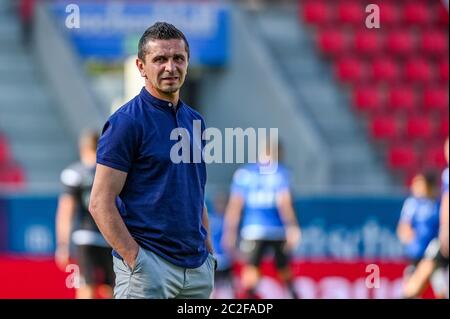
{"type": "Point", "coordinates": [170, 66]}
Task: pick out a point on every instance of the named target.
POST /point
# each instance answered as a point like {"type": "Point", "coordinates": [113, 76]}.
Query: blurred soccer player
{"type": "Point", "coordinates": [419, 220]}
{"type": "Point", "coordinates": [443, 230]}
{"type": "Point", "coordinates": [149, 206]}
{"type": "Point", "coordinates": [262, 204]}
{"type": "Point", "coordinates": [93, 253]}
{"type": "Point", "coordinates": [434, 264]}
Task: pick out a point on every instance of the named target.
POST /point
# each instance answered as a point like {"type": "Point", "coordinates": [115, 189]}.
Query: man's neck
{"type": "Point", "coordinates": [169, 97]}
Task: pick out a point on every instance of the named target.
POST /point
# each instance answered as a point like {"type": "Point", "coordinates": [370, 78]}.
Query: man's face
{"type": "Point", "coordinates": [165, 65]}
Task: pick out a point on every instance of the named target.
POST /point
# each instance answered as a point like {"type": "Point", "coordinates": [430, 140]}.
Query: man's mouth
{"type": "Point", "coordinates": [170, 78]}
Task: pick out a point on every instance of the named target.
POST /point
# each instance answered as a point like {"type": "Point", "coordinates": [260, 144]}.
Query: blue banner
{"type": "Point", "coordinates": [332, 228]}
{"type": "Point", "coordinates": [111, 30]}
{"type": "Point", "coordinates": [31, 225]}
{"type": "Point", "coordinates": [350, 228]}
{"type": "Point", "coordinates": [3, 226]}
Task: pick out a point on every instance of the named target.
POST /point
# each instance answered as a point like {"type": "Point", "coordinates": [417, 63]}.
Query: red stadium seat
{"type": "Point", "coordinates": [434, 157]}
{"type": "Point", "coordinates": [416, 13]}
{"type": "Point", "coordinates": [385, 69]}
{"type": "Point", "coordinates": [350, 69]}
{"type": "Point", "coordinates": [419, 127]}
{"type": "Point", "coordinates": [12, 174]}
{"type": "Point", "coordinates": [443, 127]}
{"type": "Point", "coordinates": [443, 70]}
{"type": "Point", "coordinates": [418, 70]}
{"type": "Point", "coordinates": [402, 98]}
{"type": "Point", "coordinates": [409, 176]}
{"type": "Point", "coordinates": [367, 98]}
{"type": "Point", "coordinates": [434, 43]}
{"type": "Point", "coordinates": [389, 13]}
{"type": "Point", "coordinates": [400, 42]}
{"type": "Point", "coordinates": [436, 98]}
{"type": "Point", "coordinates": [316, 12]}
{"type": "Point", "coordinates": [442, 14]}
{"type": "Point", "coordinates": [351, 12]}
{"type": "Point", "coordinates": [4, 151]}
{"type": "Point", "coordinates": [332, 42]}
{"type": "Point", "coordinates": [402, 157]}
{"type": "Point", "coordinates": [384, 127]}
{"type": "Point", "coordinates": [367, 42]}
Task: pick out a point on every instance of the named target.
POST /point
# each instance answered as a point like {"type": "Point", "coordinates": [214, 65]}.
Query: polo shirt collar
{"type": "Point", "coordinates": [166, 105]}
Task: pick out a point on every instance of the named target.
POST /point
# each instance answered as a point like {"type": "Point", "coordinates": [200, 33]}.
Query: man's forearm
{"type": "Point", "coordinates": [64, 216]}
{"type": "Point", "coordinates": [114, 230]}
{"type": "Point", "coordinates": [286, 210]}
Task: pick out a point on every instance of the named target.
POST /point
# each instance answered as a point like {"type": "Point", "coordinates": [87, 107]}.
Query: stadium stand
{"type": "Point", "coordinates": [34, 143]}
{"type": "Point", "coordinates": [11, 173]}
{"type": "Point", "coordinates": [318, 95]}
{"type": "Point", "coordinates": [397, 74]}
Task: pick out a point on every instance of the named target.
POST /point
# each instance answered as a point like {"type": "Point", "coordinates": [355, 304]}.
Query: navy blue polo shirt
{"type": "Point", "coordinates": [162, 201]}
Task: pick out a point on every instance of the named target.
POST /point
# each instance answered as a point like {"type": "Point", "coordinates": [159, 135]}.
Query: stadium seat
{"type": "Point", "coordinates": [384, 69]}
{"type": "Point", "coordinates": [418, 70]}
{"type": "Point", "coordinates": [402, 98]}
{"type": "Point", "coordinates": [384, 127]}
{"type": "Point", "coordinates": [416, 13]}
{"type": "Point", "coordinates": [389, 13]}
{"type": "Point", "coordinates": [12, 174]}
{"type": "Point", "coordinates": [402, 157]}
{"type": "Point", "coordinates": [351, 12]}
{"type": "Point", "coordinates": [349, 69]}
{"type": "Point", "coordinates": [367, 98]}
{"type": "Point", "coordinates": [434, 157]}
{"type": "Point", "coordinates": [332, 42]}
{"type": "Point", "coordinates": [443, 70]}
{"type": "Point", "coordinates": [434, 43]}
{"type": "Point", "coordinates": [409, 176]}
{"type": "Point", "coordinates": [436, 98]}
{"type": "Point", "coordinates": [367, 43]}
{"type": "Point", "coordinates": [442, 14]}
{"type": "Point", "coordinates": [419, 127]}
{"type": "Point", "coordinates": [400, 42]}
{"type": "Point", "coordinates": [443, 127]}
{"type": "Point", "coordinates": [4, 151]}
{"type": "Point", "coordinates": [316, 12]}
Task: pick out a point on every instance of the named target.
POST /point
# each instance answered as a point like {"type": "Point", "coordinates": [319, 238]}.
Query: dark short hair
{"type": "Point", "coordinates": [160, 31]}
{"type": "Point", "coordinates": [431, 181]}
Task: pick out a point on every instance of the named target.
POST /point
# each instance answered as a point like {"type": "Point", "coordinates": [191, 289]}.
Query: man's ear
{"type": "Point", "coordinates": [140, 66]}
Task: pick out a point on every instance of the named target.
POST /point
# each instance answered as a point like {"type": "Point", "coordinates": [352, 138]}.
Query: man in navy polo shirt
{"type": "Point", "coordinates": [150, 207]}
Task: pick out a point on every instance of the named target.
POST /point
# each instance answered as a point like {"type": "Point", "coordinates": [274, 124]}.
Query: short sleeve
{"type": "Point", "coordinates": [119, 142]}
{"type": "Point", "coordinates": [408, 209]}
{"type": "Point", "coordinates": [71, 180]}
{"type": "Point", "coordinates": [240, 182]}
